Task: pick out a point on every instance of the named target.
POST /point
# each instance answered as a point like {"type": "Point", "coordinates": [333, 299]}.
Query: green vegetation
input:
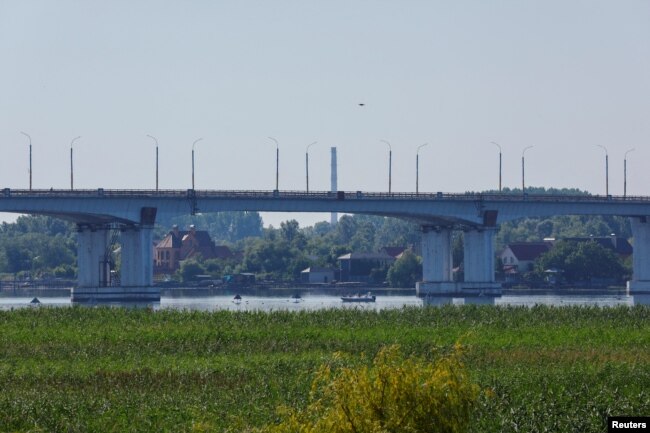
{"type": "Point", "coordinates": [110, 369]}
{"type": "Point", "coordinates": [394, 394]}
{"type": "Point", "coordinates": [582, 261]}
{"type": "Point", "coordinates": [405, 271]}
{"type": "Point", "coordinates": [38, 246]}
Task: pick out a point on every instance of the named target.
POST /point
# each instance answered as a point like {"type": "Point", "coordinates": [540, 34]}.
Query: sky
{"type": "Point", "coordinates": [563, 76]}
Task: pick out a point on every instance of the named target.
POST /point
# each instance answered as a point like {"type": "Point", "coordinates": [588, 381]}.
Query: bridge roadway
{"type": "Point", "coordinates": [96, 212]}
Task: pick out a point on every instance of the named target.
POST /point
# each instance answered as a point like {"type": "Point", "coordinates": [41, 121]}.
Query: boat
{"type": "Point", "coordinates": [296, 298]}
{"type": "Point", "coordinates": [359, 298]}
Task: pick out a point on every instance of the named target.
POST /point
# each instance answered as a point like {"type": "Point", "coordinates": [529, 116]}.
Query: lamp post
{"type": "Point", "coordinates": [390, 164]}
{"type": "Point", "coordinates": [625, 172]}
{"type": "Point", "coordinates": [30, 158]}
{"type": "Point", "coordinates": [606, 169]}
{"type": "Point", "coordinates": [307, 162]}
{"type": "Point", "coordinates": [499, 146]}
{"type": "Point", "coordinates": [193, 144]}
{"type": "Point", "coordinates": [154, 139]}
{"type": "Point", "coordinates": [71, 164]}
{"type": "Point", "coordinates": [277, 163]}
{"type": "Point", "coordinates": [523, 169]}
{"type": "Point", "coordinates": [417, 168]}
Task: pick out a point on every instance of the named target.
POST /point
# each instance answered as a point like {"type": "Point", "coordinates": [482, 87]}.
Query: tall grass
{"type": "Point", "coordinates": [112, 369]}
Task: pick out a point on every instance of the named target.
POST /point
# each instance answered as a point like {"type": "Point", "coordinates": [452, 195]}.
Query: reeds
{"type": "Point", "coordinates": [112, 369]}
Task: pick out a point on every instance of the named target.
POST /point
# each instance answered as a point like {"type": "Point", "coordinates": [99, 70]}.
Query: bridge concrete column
{"type": "Point", "coordinates": [93, 270]}
{"type": "Point", "coordinates": [137, 256]}
{"type": "Point", "coordinates": [437, 260]}
{"type": "Point", "coordinates": [137, 264]}
{"type": "Point", "coordinates": [437, 263]}
{"type": "Point", "coordinates": [640, 282]}
{"type": "Point", "coordinates": [478, 249]}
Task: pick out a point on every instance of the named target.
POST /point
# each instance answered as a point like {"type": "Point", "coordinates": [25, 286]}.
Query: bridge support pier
{"type": "Point", "coordinates": [137, 256]}
{"type": "Point", "coordinates": [478, 249]}
{"type": "Point", "coordinates": [640, 282]}
{"type": "Point", "coordinates": [437, 264]}
{"type": "Point", "coordinates": [136, 273]}
{"type": "Point", "coordinates": [92, 242]}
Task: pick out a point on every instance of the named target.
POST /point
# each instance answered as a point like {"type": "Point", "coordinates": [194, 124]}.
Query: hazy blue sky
{"type": "Point", "coordinates": [562, 75]}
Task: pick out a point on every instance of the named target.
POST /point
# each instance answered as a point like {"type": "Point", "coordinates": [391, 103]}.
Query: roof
{"type": "Point", "coordinates": [316, 269]}
{"type": "Point", "coordinates": [529, 251]}
{"type": "Point", "coordinates": [178, 239]}
{"type": "Point", "coordinates": [170, 241]}
{"type": "Point", "coordinates": [393, 251]}
{"type": "Point", "coordinates": [366, 256]}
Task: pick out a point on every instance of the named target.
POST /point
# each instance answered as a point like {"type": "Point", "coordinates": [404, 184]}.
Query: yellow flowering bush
{"type": "Point", "coordinates": [393, 394]}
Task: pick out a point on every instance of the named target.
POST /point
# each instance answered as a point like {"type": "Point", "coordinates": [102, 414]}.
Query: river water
{"type": "Point", "coordinates": [318, 302]}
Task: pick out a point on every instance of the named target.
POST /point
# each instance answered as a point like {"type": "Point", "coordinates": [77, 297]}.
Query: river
{"type": "Point", "coordinates": [319, 301]}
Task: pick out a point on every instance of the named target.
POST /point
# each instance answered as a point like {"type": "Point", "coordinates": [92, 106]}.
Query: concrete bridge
{"type": "Point", "coordinates": [101, 214]}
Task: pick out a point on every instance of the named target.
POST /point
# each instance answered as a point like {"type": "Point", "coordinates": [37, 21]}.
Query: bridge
{"type": "Point", "coordinates": [103, 215]}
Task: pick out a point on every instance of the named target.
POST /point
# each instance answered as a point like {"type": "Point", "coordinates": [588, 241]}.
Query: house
{"type": "Point", "coordinates": [358, 266]}
{"type": "Point", "coordinates": [519, 257]}
{"type": "Point", "coordinates": [180, 245]}
{"type": "Point", "coordinates": [315, 274]}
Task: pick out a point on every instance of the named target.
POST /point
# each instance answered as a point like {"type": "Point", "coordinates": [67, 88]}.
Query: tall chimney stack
{"type": "Point", "coordinates": [334, 186]}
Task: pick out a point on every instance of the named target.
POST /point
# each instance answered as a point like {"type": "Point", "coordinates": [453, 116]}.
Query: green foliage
{"type": "Point", "coordinates": [405, 271]}
{"type": "Point", "coordinates": [393, 394]}
{"type": "Point", "coordinates": [564, 226]}
{"type": "Point", "coordinates": [581, 261]}
{"type": "Point", "coordinates": [111, 369]}
{"type": "Point", "coordinates": [275, 257]}
{"type": "Point", "coordinates": [189, 269]}
{"type": "Point", "coordinates": [37, 245]}
{"type": "Point", "coordinates": [228, 227]}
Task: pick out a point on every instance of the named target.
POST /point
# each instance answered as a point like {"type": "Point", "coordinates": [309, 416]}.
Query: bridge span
{"type": "Point", "coordinates": [100, 214]}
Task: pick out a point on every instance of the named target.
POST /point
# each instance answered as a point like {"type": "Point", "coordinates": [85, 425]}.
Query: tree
{"type": "Point", "coordinates": [190, 269]}
{"type": "Point", "coordinates": [581, 261]}
{"type": "Point", "coordinates": [393, 394]}
{"type": "Point", "coordinates": [405, 271]}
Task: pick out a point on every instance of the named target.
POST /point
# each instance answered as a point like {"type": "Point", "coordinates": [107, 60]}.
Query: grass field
{"type": "Point", "coordinates": [541, 369]}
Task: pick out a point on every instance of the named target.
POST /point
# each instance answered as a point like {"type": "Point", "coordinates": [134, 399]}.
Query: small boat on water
{"type": "Point", "coordinates": [359, 298]}
{"type": "Point", "coordinates": [35, 301]}
{"type": "Point", "coordinates": [296, 298]}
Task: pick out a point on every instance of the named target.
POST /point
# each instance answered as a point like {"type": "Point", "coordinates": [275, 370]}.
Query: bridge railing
{"type": "Point", "coordinates": [312, 195]}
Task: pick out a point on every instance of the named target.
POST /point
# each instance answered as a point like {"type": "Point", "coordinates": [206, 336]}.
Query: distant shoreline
{"type": "Point", "coordinates": [332, 290]}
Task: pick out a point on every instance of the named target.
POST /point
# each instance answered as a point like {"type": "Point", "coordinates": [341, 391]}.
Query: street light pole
{"type": "Point", "coordinates": [307, 163]}
{"type": "Point", "coordinates": [154, 139]}
{"type": "Point", "coordinates": [523, 170]}
{"type": "Point", "coordinates": [30, 158]}
{"type": "Point", "coordinates": [417, 168]}
{"type": "Point", "coordinates": [277, 163]}
{"type": "Point", "coordinates": [193, 144]}
{"type": "Point", "coordinates": [625, 172]}
{"type": "Point", "coordinates": [606, 169]}
{"type": "Point", "coordinates": [499, 146]}
{"type": "Point", "coordinates": [390, 164]}
{"type": "Point", "coordinates": [71, 164]}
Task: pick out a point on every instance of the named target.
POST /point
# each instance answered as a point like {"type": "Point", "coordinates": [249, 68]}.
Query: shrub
{"type": "Point", "coordinates": [393, 394]}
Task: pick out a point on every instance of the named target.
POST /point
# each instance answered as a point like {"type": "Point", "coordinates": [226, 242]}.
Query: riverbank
{"type": "Point", "coordinates": [111, 369]}
{"type": "Point", "coordinates": [332, 290]}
